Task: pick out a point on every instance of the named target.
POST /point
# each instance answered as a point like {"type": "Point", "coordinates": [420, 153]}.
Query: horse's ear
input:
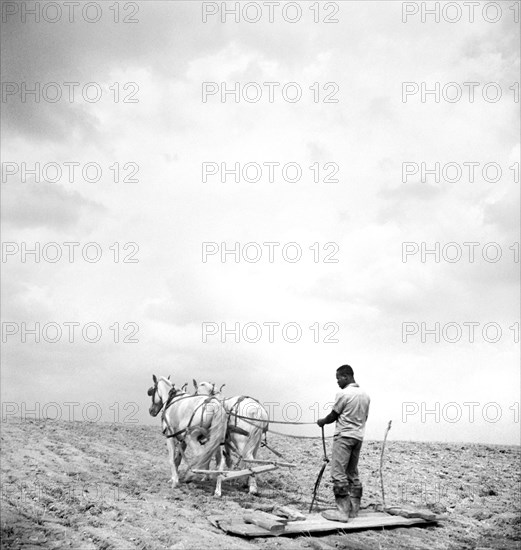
{"type": "Point", "coordinates": [221, 388]}
{"type": "Point", "coordinates": [194, 382]}
{"type": "Point", "coordinates": [154, 378]}
{"type": "Point", "coordinates": [168, 377]}
{"type": "Point", "coordinates": [213, 388]}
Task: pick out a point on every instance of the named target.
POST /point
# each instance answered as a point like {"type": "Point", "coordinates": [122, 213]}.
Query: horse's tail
{"type": "Point", "coordinates": [257, 427]}
{"type": "Point", "coordinates": [214, 434]}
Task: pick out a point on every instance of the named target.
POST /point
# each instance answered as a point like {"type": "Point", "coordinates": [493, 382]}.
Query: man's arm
{"type": "Point", "coordinates": [329, 419]}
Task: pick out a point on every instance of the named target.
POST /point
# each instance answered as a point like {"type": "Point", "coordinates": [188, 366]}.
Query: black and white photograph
{"type": "Point", "coordinates": [260, 278]}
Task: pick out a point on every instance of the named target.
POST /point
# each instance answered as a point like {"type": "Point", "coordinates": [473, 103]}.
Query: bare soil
{"type": "Point", "coordinates": [106, 486]}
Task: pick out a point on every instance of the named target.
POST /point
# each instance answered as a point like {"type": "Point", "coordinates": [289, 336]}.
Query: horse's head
{"type": "Point", "coordinates": [159, 393]}
{"type": "Point", "coordinates": [204, 388]}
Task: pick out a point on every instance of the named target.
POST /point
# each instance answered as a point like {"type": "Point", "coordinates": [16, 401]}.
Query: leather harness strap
{"type": "Point", "coordinates": [236, 406]}
{"type": "Point", "coordinates": [246, 418]}
{"type": "Point", "coordinates": [201, 406]}
{"type": "Point", "coordinates": [170, 401]}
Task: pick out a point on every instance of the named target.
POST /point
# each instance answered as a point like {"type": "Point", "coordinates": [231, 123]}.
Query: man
{"type": "Point", "coordinates": [350, 413]}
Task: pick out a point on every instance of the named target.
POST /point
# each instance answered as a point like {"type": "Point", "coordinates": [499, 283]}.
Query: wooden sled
{"type": "Point", "coordinates": [260, 524]}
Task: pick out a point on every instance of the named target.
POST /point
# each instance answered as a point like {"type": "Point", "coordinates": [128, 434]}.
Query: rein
{"type": "Point", "coordinates": [252, 421]}
{"type": "Point", "coordinates": [273, 421]}
{"type": "Point", "coordinates": [256, 421]}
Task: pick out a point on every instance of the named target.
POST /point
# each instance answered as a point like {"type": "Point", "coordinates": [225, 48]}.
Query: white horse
{"type": "Point", "coordinates": [192, 422]}
{"type": "Point", "coordinates": [247, 422]}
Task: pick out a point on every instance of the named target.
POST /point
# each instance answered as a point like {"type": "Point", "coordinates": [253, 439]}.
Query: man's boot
{"type": "Point", "coordinates": [342, 514]}
{"type": "Point", "coordinates": [355, 496]}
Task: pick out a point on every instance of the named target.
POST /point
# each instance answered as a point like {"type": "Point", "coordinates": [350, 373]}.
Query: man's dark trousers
{"type": "Point", "coordinates": [344, 464]}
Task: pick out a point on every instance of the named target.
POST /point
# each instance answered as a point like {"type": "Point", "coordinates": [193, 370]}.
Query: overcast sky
{"type": "Point", "coordinates": [169, 212]}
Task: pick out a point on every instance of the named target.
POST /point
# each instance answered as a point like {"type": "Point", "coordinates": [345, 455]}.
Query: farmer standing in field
{"type": "Point", "coordinates": [350, 412]}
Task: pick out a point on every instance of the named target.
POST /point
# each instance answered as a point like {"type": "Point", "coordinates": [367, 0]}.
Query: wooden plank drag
{"type": "Point", "coordinates": [314, 523]}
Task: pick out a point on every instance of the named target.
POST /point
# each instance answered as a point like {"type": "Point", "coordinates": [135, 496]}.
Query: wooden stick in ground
{"type": "Point", "coordinates": [382, 462]}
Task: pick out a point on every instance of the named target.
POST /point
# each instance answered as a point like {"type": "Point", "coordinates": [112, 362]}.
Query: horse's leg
{"type": "Point", "coordinates": [189, 475]}
{"type": "Point", "coordinates": [252, 480]}
{"type": "Point", "coordinates": [220, 466]}
{"type": "Point", "coordinates": [172, 459]}
{"type": "Point", "coordinates": [179, 455]}
{"type": "Point", "coordinates": [228, 453]}
{"type": "Point", "coordinates": [241, 442]}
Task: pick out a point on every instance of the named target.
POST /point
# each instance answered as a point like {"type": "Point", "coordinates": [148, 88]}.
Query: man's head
{"type": "Point", "coordinates": [344, 376]}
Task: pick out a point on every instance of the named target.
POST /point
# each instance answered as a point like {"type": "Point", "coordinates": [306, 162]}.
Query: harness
{"type": "Point", "coordinates": [236, 407]}
{"type": "Point", "coordinates": [174, 397]}
{"type": "Point", "coordinates": [170, 401]}
{"type": "Point", "coordinates": [246, 418]}
{"type": "Point", "coordinates": [233, 428]}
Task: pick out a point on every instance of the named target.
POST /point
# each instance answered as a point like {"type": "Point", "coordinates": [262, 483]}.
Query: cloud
{"type": "Point", "coordinates": [162, 42]}
{"type": "Point", "coordinates": [44, 122]}
{"type": "Point", "coordinates": [504, 214]}
{"type": "Point", "coordinates": [170, 212]}
{"type": "Point", "coordinates": [47, 205]}
{"type": "Point", "coordinates": [418, 190]}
